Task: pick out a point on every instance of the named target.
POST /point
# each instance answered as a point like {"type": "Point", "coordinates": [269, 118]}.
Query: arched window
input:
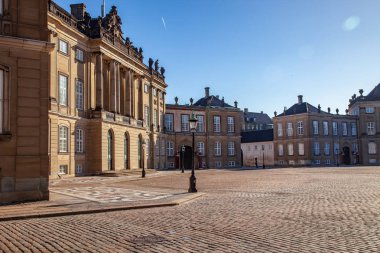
{"type": "Point", "coordinates": [63, 139]}
{"type": "Point", "coordinates": [126, 151]}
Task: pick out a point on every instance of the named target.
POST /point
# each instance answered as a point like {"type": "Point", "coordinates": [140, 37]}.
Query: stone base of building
{"type": "Point", "coordinates": [23, 196]}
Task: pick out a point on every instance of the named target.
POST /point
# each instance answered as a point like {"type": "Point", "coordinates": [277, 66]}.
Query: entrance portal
{"type": "Point", "coordinates": [185, 158]}
{"type": "Point", "coordinates": [346, 156]}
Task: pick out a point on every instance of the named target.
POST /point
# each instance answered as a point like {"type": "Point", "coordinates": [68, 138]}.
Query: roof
{"type": "Point", "coordinates": [300, 108]}
{"type": "Point", "coordinates": [374, 95]}
{"type": "Point", "coordinates": [258, 117]}
{"type": "Point", "coordinates": [212, 101]}
{"type": "Point", "coordinates": [257, 136]}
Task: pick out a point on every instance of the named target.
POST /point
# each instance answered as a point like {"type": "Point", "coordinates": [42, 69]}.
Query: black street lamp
{"type": "Point", "coordinates": [193, 128]}
{"type": "Point", "coordinates": [143, 145]}
{"type": "Point", "coordinates": [183, 158]}
{"type": "Point", "coordinates": [263, 157]}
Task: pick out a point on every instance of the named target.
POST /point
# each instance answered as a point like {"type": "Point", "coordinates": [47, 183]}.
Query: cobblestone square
{"type": "Point", "coordinates": [273, 210]}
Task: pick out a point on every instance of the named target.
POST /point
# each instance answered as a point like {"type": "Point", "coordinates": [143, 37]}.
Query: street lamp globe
{"type": "Point", "coordinates": [193, 123]}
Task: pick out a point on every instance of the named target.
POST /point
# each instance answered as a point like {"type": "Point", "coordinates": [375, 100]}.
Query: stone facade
{"type": "Point", "coordinates": [306, 135]}
{"type": "Point", "coordinates": [217, 139]}
{"type": "Point", "coordinates": [24, 79]}
{"type": "Point", "coordinates": [105, 103]}
{"type": "Point", "coordinates": [367, 108]}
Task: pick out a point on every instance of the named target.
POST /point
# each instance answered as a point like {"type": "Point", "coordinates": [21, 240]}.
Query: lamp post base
{"type": "Point", "coordinates": [143, 173]}
{"type": "Point", "coordinates": [193, 182]}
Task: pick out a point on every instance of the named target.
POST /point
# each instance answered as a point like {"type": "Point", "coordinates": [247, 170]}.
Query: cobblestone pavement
{"type": "Point", "coordinates": [277, 210]}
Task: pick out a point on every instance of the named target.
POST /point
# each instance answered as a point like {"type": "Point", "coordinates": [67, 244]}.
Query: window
{"type": "Point", "coordinates": [325, 128]}
{"type": "Point", "coordinates": [231, 148]}
{"type": "Point", "coordinates": [78, 169]}
{"type": "Point", "coordinates": [163, 147]}
{"type": "Point", "coordinates": [146, 88]}
{"type": "Point", "coordinates": [300, 128]}
{"type": "Point", "coordinates": [372, 149]}
{"type": "Point", "coordinates": [161, 95]}
{"type": "Point", "coordinates": [155, 92]}
{"type": "Point", "coordinates": [327, 148]}
{"type": "Point", "coordinates": [146, 116]}
{"type": "Point", "coordinates": [62, 169]}
{"type": "Point", "coordinates": [316, 148]}
{"type": "Point", "coordinates": [63, 47]}
{"type": "Point", "coordinates": [171, 165]}
{"type": "Point", "coordinates": [327, 162]}
{"type": "Point", "coordinates": [371, 128]}
{"type": "Point", "coordinates": [1, 7]}
{"type": "Point", "coordinates": [336, 148]}
{"type": "Point", "coordinates": [344, 129]}
{"type": "Point", "coordinates": [290, 149]}
{"type": "Point", "coordinates": [4, 106]}
{"type": "Point", "coordinates": [63, 139]}
{"type": "Point", "coordinates": [79, 54]}
{"type": "Point", "coordinates": [63, 80]}
{"type": "Point", "coordinates": [185, 123]}
{"type": "Point", "coordinates": [155, 119]}
{"type": "Point", "coordinates": [354, 147]}
{"type": "Point", "coordinates": [218, 164]}
{"type": "Point", "coordinates": [353, 129]}
{"type": "Point", "coordinates": [335, 128]}
{"type": "Point", "coordinates": [217, 148]}
{"type": "Point", "coordinates": [147, 148]}
{"type": "Point", "coordinates": [279, 129]}
{"type": "Point", "coordinates": [290, 129]}
{"type": "Point", "coordinates": [170, 148]}
{"type": "Point", "coordinates": [369, 110]}
{"type": "Point", "coordinates": [200, 125]}
{"type": "Point", "coordinates": [315, 127]}
{"type": "Point", "coordinates": [201, 148]}
{"type": "Point", "coordinates": [79, 95]}
{"type": "Point", "coordinates": [317, 162]}
{"type": "Point", "coordinates": [216, 124]}
{"type": "Point", "coordinates": [231, 164]}
{"type": "Point", "coordinates": [231, 124]}
{"type": "Point", "coordinates": [79, 137]}
{"type": "Point", "coordinates": [280, 149]}
{"type": "Point", "coordinates": [169, 122]}
{"type": "Point", "coordinates": [301, 149]}
{"type": "Point", "coordinates": [157, 147]}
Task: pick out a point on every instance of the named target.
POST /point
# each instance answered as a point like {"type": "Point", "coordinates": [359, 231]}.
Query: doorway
{"type": "Point", "coordinates": [346, 156]}
{"type": "Point", "coordinates": [185, 158]}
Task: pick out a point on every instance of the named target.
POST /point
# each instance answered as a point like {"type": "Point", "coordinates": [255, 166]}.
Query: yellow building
{"type": "Point", "coordinates": [105, 103]}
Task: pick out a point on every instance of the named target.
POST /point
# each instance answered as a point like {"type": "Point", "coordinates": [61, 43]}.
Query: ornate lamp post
{"type": "Point", "coordinates": [193, 128]}
{"type": "Point", "coordinates": [143, 145]}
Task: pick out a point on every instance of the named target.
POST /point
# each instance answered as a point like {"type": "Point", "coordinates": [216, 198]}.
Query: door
{"type": "Point", "coordinates": [110, 151]}
{"type": "Point", "coordinates": [186, 158]}
{"type": "Point", "coordinates": [346, 156]}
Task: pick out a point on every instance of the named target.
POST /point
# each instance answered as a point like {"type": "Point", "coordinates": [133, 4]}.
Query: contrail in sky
{"type": "Point", "coordinates": [163, 22]}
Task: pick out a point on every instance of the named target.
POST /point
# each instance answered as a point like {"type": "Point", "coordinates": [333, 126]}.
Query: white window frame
{"type": "Point", "coordinates": [316, 149]}
{"type": "Point", "coordinates": [280, 149]}
{"type": "Point", "coordinates": [63, 139]}
{"type": "Point", "coordinates": [78, 169]}
{"type": "Point", "coordinates": [79, 54]}
{"type": "Point", "coordinates": [290, 149]}
{"type": "Point", "coordinates": [201, 148]}
{"type": "Point", "coordinates": [146, 89]}
{"type": "Point", "coordinates": [279, 130]}
{"type": "Point", "coordinates": [290, 129]}
{"type": "Point", "coordinates": [372, 148]}
{"type": "Point", "coordinates": [326, 148]}
{"type": "Point", "coordinates": [200, 123]}
{"type": "Point", "coordinates": [63, 46]}
{"type": "Point", "coordinates": [63, 82]}
{"type": "Point", "coordinates": [218, 148]}
{"type": "Point", "coordinates": [336, 148]}
{"type": "Point", "coordinates": [147, 116]}
{"type": "Point", "coordinates": [369, 110]}
{"type": "Point", "coordinates": [325, 128]}
{"type": "Point", "coordinates": [216, 120]}
{"type": "Point", "coordinates": [301, 148]}
{"type": "Point", "coordinates": [231, 148]}
{"type": "Point", "coordinates": [231, 163]}
{"type": "Point", "coordinates": [79, 140]}
{"type": "Point", "coordinates": [344, 129]}
{"type": "Point", "coordinates": [169, 122]}
{"type": "Point", "coordinates": [170, 148]}
{"type": "Point", "coordinates": [371, 130]}
{"type": "Point", "coordinates": [230, 124]}
{"type": "Point", "coordinates": [315, 124]}
{"type": "Point", "coordinates": [354, 131]}
{"type": "Point", "coordinates": [300, 128]}
{"type": "Point", "coordinates": [335, 128]}
{"type": "Point", "coordinates": [79, 91]}
{"type": "Point", "coordinates": [63, 169]}
{"type": "Point", "coordinates": [185, 123]}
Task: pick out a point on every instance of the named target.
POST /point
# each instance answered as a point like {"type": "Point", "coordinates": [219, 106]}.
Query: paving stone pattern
{"type": "Point", "coordinates": [279, 210]}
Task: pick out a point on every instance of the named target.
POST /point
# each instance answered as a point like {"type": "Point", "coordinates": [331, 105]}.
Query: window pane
{"type": "Point", "coordinates": [63, 90]}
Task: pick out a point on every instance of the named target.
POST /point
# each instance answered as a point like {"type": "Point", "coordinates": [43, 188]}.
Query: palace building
{"type": "Point", "coordinates": [217, 137]}
{"type": "Point", "coordinates": [24, 85]}
{"type": "Point", "coordinates": [105, 104]}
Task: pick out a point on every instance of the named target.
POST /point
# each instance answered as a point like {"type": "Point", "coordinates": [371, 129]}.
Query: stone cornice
{"type": "Point", "coordinates": [28, 44]}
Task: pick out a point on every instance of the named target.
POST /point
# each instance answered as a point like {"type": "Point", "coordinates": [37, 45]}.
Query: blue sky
{"type": "Point", "coordinates": [262, 53]}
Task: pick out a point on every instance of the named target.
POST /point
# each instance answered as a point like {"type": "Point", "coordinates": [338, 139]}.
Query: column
{"type": "Point", "coordinates": [133, 98]}
{"type": "Point", "coordinates": [99, 81]}
{"type": "Point", "coordinates": [113, 87]}
{"type": "Point", "coordinates": [118, 90]}
{"type": "Point", "coordinates": [127, 93]}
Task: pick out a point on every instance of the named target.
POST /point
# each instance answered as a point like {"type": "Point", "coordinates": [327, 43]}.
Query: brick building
{"type": "Point", "coordinates": [105, 104]}
{"type": "Point", "coordinates": [24, 79]}
{"type": "Point", "coordinates": [217, 139]}
{"type": "Point", "coordinates": [306, 135]}
{"type": "Point", "coordinates": [367, 109]}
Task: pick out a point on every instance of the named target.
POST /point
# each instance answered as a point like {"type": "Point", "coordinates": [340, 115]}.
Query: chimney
{"type": "Point", "coordinates": [78, 10]}
{"type": "Point", "coordinates": [236, 104]}
{"type": "Point", "coordinates": [262, 112]}
{"type": "Point", "coordinates": [207, 92]}
{"type": "Point", "coordinates": [245, 110]}
{"type": "Point", "coordinates": [300, 99]}
{"type": "Point", "coordinates": [103, 8]}
{"type": "Point", "coordinates": [217, 96]}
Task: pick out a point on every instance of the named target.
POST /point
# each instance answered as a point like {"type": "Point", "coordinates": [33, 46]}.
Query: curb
{"type": "Point", "coordinates": [102, 210]}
